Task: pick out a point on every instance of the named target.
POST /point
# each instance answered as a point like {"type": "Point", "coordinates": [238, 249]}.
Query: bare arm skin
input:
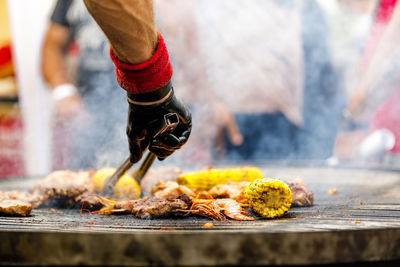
{"type": "Point", "coordinates": [53, 55]}
{"type": "Point", "coordinates": [54, 69]}
{"type": "Point", "coordinates": [129, 26]}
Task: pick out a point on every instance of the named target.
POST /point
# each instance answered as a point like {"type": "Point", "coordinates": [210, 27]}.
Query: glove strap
{"type": "Point", "coordinates": [152, 98]}
{"type": "Point", "coordinates": [148, 76]}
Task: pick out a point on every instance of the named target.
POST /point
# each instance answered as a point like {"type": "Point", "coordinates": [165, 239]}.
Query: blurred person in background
{"type": "Point", "coordinates": [266, 67]}
{"type": "Point", "coordinates": [89, 105]}
{"type": "Point", "coordinates": [373, 112]}
{"type": "Point", "coordinates": [324, 96]}
{"type": "Point", "coordinates": [349, 23]}
{"type": "Point", "coordinates": [179, 21]}
{"type": "Point", "coordinates": [266, 76]}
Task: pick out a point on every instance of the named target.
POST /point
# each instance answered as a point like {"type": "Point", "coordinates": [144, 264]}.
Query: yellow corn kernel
{"type": "Point", "coordinates": [206, 179]}
{"type": "Point", "coordinates": [125, 188]}
{"type": "Point", "coordinates": [268, 197]}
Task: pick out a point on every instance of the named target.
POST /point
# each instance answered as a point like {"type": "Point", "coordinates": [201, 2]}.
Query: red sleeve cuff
{"type": "Point", "coordinates": [147, 76]}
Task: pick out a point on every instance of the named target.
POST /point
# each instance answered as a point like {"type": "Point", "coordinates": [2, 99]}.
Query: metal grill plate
{"type": "Point", "coordinates": [360, 223]}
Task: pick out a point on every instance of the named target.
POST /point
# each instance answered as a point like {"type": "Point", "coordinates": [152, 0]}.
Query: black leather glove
{"type": "Point", "coordinates": [146, 114]}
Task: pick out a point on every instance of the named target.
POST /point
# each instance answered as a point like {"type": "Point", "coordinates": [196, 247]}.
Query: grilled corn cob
{"type": "Point", "coordinates": [268, 197]}
{"type": "Point", "coordinates": [125, 188]}
{"type": "Point", "coordinates": [206, 179]}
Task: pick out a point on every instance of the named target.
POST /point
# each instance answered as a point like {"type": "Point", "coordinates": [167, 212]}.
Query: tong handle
{"type": "Point", "coordinates": [169, 122]}
{"type": "Point", "coordinates": [113, 179]}
{"type": "Point", "coordinates": [144, 167]}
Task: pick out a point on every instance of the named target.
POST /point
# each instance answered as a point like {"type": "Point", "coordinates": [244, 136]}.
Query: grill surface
{"type": "Point", "coordinates": [360, 223]}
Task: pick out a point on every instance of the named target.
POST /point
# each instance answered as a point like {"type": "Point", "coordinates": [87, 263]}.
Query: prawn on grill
{"type": "Point", "coordinates": [230, 189]}
{"type": "Point", "coordinates": [171, 189]}
{"type": "Point", "coordinates": [219, 209]}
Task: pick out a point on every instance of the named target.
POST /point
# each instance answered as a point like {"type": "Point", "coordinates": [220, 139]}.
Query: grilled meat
{"type": "Point", "coordinates": [65, 180]}
{"type": "Point", "coordinates": [156, 207]}
{"type": "Point", "coordinates": [144, 208]}
{"type": "Point", "coordinates": [14, 207]}
{"type": "Point", "coordinates": [302, 196]}
{"type": "Point", "coordinates": [59, 189]}
{"type": "Point", "coordinates": [89, 202]}
{"type": "Point", "coordinates": [33, 198]}
{"type": "Point", "coordinates": [63, 188]}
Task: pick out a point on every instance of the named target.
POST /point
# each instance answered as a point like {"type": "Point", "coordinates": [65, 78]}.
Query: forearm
{"type": "Point", "coordinates": [130, 30]}
{"type": "Point", "coordinates": [53, 56]}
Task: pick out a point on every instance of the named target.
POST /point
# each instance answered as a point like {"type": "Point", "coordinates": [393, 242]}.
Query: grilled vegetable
{"type": "Point", "coordinates": [206, 179]}
{"type": "Point", "coordinates": [268, 197]}
{"type": "Point", "coordinates": [125, 188]}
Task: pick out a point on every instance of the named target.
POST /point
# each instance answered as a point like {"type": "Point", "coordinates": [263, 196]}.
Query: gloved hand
{"type": "Point", "coordinates": [151, 97]}
{"type": "Point", "coordinates": [145, 115]}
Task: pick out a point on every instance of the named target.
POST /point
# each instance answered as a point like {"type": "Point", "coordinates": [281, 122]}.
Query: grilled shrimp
{"type": "Point", "coordinates": [230, 189]}
{"type": "Point", "coordinates": [216, 209]}
{"type": "Point", "coordinates": [171, 189]}
{"type": "Point", "coordinates": [232, 209]}
{"type": "Point", "coordinates": [108, 206]}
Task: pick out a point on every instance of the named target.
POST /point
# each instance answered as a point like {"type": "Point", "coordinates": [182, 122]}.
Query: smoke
{"type": "Point", "coordinates": [96, 138]}
{"type": "Point", "coordinates": [274, 63]}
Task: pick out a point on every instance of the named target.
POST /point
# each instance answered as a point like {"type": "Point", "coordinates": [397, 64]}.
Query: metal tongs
{"type": "Point", "coordinates": [168, 124]}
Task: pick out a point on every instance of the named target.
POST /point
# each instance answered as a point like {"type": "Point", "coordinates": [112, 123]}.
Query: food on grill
{"type": "Point", "coordinates": [15, 207]}
{"type": "Point", "coordinates": [217, 209]}
{"type": "Point", "coordinates": [125, 188]}
{"type": "Point", "coordinates": [206, 179]}
{"type": "Point", "coordinates": [145, 208]}
{"type": "Point", "coordinates": [302, 197]}
{"type": "Point", "coordinates": [63, 188]}
{"type": "Point", "coordinates": [171, 190]}
{"type": "Point", "coordinates": [35, 199]}
{"type": "Point", "coordinates": [58, 189]}
{"type": "Point", "coordinates": [65, 178]}
{"type": "Point", "coordinates": [89, 202]}
{"type": "Point", "coordinates": [233, 190]}
{"type": "Point", "coordinates": [332, 191]}
{"type": "Point", "coordinates": [268, 197]}
{"type": "Point", "coordinates": [212, 193]}
{"type": "Point", "coordinates": [203, 203]}
{"type": "Point", "coordinates": [159, 174]}
{"type": "Point", "coordinates": [208, 225]}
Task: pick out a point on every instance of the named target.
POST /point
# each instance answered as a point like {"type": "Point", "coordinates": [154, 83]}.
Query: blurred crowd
{"type": "Point", "coordinates": [265, 80]}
